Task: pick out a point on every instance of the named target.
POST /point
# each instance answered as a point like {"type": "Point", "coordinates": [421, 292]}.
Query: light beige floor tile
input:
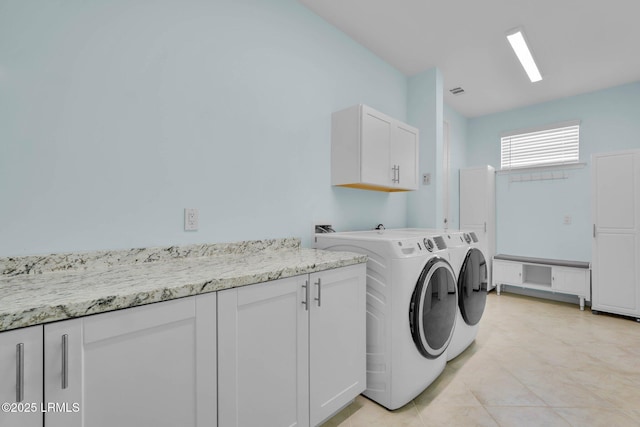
{"type": "Point", "coordinates": [621, 396]}
{"type": "Point", "coordinates": [525, 417]}
{"type": "Point", "coordinates": [634, 415]}
{"type": "Point", "coordinates": [456, 416]}
{"type": "Point", "coordinates": [504, 391]}
{"type": "Point", "coordinates": [343, 418]}
{"type": "Point", "coordinates": [596, 417]}
{"type": "Point", "coordinates": [372, 415]}
{"type": "Point", "coordinates": [454, 393]}
{"type": "Point", "coordinates": [557, 389]}
{"type": "Point", "coordinates": [530, 354]}
{"type": "Point", "coordinates": [516, 358]}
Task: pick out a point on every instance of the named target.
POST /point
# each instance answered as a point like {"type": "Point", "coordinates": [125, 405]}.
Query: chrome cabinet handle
{"type": "Point", "coordinates": [319, 299]}
{"type": "Point", "coordinates": [485, 227]}
{"type": "Point", "coordinates": [20, 372]}
{"type": "Point", "coordinates": [594, 231]}
{"type": "Point", "coordinates": [306, 295]}
{"type": "Point", "coordinates": [65, 361]}
{"type": "Point", "coordinates": [396, 174]}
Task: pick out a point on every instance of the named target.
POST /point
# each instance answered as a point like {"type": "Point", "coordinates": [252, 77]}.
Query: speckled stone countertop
{"type": "Point", "coordinates": [41, 289]}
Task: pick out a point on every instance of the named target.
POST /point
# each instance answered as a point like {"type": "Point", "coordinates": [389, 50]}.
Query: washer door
{"type": "Point", "coordinates": [472, 286]}
{"type": "Point", "coordinates": [432, 313]}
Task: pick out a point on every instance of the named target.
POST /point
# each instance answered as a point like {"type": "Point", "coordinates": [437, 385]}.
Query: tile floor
{"type": "Point", "coordinates": [534, 363]}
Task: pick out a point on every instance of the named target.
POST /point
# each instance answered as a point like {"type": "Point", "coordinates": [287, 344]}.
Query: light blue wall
{"type": "Point", "coordinates": [116, 115]}
{"type": "Point", "coordinates": [530, 215]}
{"type": "Point", "coordinates": [425, 111]}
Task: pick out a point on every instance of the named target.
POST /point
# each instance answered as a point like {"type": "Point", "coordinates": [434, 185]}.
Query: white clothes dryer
{"type": "Point", "coordinates": [470, 266]}
{"type": "Point", "coordinates": [411, 309]}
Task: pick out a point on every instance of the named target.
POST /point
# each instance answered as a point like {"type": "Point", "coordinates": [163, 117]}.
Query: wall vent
{"type": "Point", "coordinates": [457, 91]}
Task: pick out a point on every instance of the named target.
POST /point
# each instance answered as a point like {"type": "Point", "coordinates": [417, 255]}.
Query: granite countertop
{"type": "Point", "coordinates": [37, 290]}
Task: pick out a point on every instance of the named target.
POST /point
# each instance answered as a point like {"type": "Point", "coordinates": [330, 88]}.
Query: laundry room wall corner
{"type": "Point", "coordinates": [425, 111]}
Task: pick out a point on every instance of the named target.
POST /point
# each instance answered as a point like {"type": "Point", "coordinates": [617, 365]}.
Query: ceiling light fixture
{"type": "Point", "coordinates": [519, 45]}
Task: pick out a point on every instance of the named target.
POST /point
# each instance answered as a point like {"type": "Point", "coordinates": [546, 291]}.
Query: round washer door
{"type": "Point", "coordinates": [432, 312]}
{"type": "Point", "coordinates": [472, 286]}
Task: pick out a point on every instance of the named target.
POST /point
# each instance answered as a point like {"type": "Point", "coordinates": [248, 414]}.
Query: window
{"type": "Point", "coordinates": [547, 146]}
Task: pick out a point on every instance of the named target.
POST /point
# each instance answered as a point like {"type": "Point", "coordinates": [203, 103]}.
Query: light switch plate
{"type": "Point", "coordinates": [426, 179]}
{"type": "Point", "coordinates": [190, 219]}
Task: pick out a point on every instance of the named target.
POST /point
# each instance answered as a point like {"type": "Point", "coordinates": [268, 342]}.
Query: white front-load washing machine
{"type": "Point", "coordinates": [470, 266]}
{"type": "Point", "coordinates": [411, 309]}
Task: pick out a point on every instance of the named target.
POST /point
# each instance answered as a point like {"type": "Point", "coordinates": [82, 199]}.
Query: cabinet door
{"type": "Point", "coordinates": [337, 334]}
{"type": "Point", "coordinates": [146, 366]}
{"type": "Point", "coordinates": [376, 138]}
{"type": "Point", "coordinates": [507, 273]}
{"type": "Point", "coordinates": [263, 352]}
{"type": "Point", "coordinates": [571, 280]}
{"type": "Point", "coordinates": [404, 156]}
{"type": "Point", "coordinates": [21, 376]}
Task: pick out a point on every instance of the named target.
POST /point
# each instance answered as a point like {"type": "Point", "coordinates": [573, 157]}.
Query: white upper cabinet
{"type": "Point", "coordinates": [372, 151]}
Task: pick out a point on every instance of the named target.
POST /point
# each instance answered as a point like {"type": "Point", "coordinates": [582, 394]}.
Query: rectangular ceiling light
{"type": "Point", "coordinates": [519, 45]}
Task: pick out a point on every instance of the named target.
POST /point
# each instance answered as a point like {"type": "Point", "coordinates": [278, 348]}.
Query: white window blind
{"type": "Point", "coordinates": [542, 147]}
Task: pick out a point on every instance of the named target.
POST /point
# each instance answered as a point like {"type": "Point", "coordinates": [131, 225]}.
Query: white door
{"type": "Point", "coordinates": [404, 156]}
{"type": "Point", "coordinates": [376, 139]}
{"type": "Point", "coordinates": [616, 183]}
{"type": "Point", "coordinates": [152, 365]}
{"type": "Point", "coordinates": [337, 331]}
{"type": "Point", "coordinates": [263, 354]}
{"type": "Point", "coordinates": [21, 377]}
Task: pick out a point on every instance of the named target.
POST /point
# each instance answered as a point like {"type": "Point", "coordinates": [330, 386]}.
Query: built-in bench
{"type": "Point", "coordinates": [543, 274]}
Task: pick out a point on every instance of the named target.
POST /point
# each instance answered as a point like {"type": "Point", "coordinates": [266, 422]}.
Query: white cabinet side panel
{"type": "Point", "coordinates": [345, 146]}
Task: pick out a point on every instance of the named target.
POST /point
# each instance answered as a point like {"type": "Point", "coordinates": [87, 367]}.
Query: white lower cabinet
{"type": "Point", "coordinates": [291, 352]}
{"type": "Point", "coordinates": [152, 365]}
{"type": "Point", "coordinates": [21, 377]}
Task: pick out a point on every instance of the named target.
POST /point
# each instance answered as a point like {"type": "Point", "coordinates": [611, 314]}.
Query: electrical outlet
{"type": "Point", "coordinates": [190, 219]}
{"type": "Point", "coordinates": [426, 179]}
{"type": "Point", "coordinates": [567, 219]}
